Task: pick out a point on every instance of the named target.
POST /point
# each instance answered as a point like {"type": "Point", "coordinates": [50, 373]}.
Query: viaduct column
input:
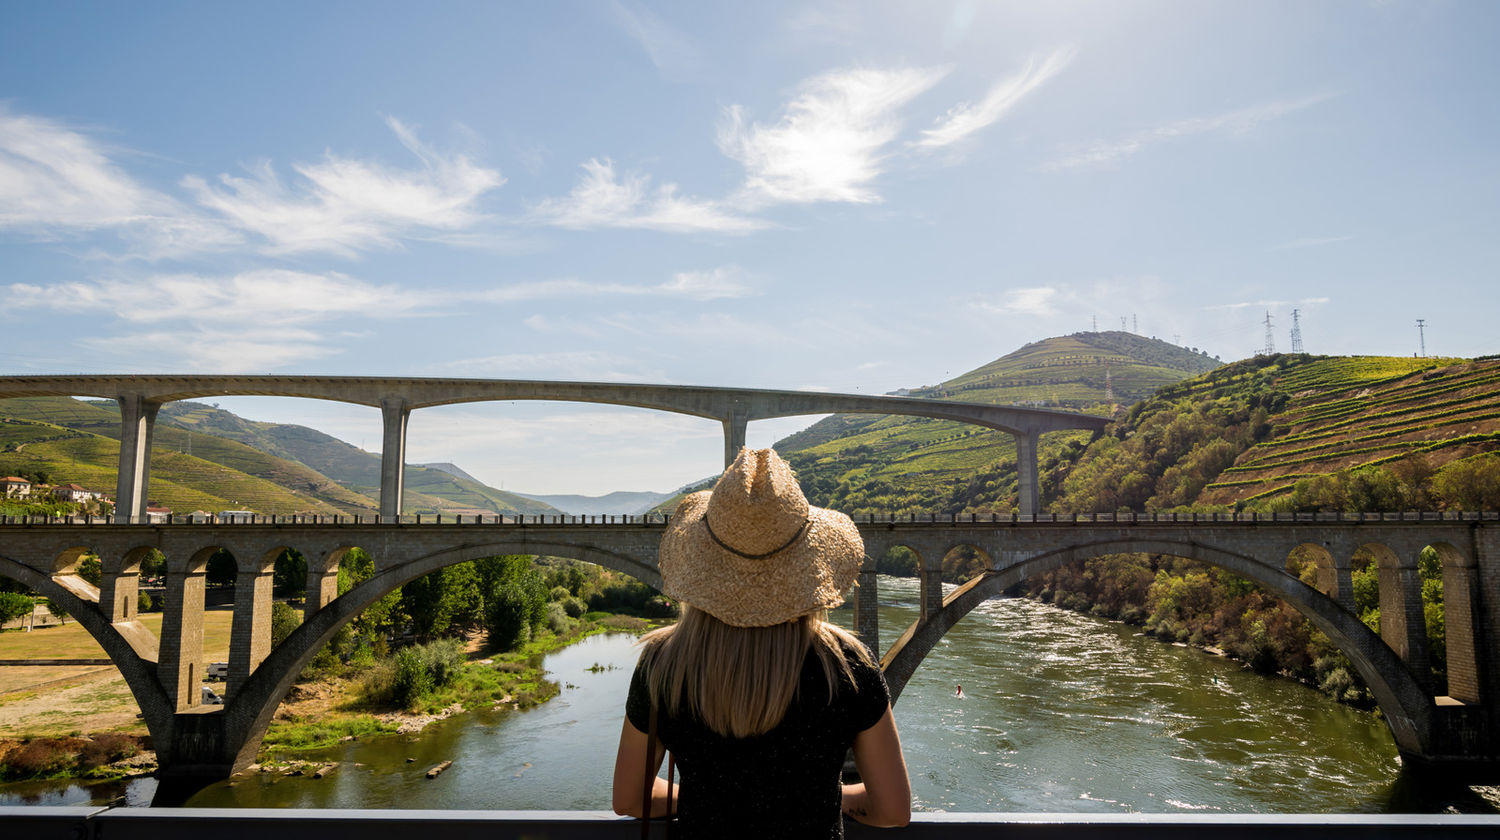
{"type": "Point", "coordinates": [250, 630]}
{"type": "Point", "coordinates": [1461, 600]}
{"type": "Point", "coordinates": [867, 608]}
{"type": "Point", "coordinates": [180, 667]}
{"type": "Point", "coordinates": [137, 421]}
{"type": "Point", "coordinates": [394, 414]}
{"type": "Point", "coordinates": [734, 433]}
{"type": "Point", "coordinates": [1487, 616]}
{"type": "Point", "coordinates": [1026, 473]}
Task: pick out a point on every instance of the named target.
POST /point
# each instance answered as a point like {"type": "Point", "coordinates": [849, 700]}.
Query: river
{"type": "Point", "coordinates": [1062, 713]}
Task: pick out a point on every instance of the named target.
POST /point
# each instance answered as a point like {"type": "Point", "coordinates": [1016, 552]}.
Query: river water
{"type": "Point", "coordinates": [1062, 713]}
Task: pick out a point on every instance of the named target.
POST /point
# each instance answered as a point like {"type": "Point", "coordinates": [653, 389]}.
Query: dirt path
{"type": "Point", "coordinates": [69, 700]}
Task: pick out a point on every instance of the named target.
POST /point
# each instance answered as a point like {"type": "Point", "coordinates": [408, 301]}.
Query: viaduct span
{"type": "Point", "coordinates": [196, 742]}
{"type": "Point", "coordinates": [141, 397]}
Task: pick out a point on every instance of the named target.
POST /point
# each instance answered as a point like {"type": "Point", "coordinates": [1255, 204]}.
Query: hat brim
{"type": "Point", "coordinates": [813, 573]}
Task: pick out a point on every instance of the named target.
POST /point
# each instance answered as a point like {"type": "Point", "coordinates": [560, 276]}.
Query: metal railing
{"type": "Point", "coordinates": [86, 823]}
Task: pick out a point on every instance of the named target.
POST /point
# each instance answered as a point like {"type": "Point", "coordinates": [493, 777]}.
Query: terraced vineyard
{"type": "Point", "coordinates": [1350, 412]}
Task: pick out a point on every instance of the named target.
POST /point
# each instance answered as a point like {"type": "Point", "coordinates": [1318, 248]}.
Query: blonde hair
{"type": "Point", "coordinates": [740, 681]}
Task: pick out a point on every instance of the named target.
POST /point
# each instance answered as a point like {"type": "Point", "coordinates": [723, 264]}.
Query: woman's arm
{"type": "Point", "coordinates": [630, 775]}
{"type": "Point", "coordinates": [883, 798]}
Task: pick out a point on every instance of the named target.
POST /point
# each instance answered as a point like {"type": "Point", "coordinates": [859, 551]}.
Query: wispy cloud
{"type": "Point", "coordinates": [603, 199]}
{"type": "Point", "coordinates": [674, 56]}
{"type": "Point", "coordinates": [211, 350]}
{"type": "Point", "coordinates": [1233, 122]}
{"type": "Point", "coordinates": [1266, 304]}
{"type": "Point", "coordinates": [591, 365]}
{"type": "Point", "coordinates": [1037, 301]}
{"type": "Point", "coordinates": [967, 118]}
{"type": "Point", "coordinates": [57, 183]}
{"type": "Point", "coordinates": [344, 206]}
{"type": "Point", "coordinates": [254, 297]}
{"type": "Point", "coordinates": [1311, 242]}
{"type": "Point", "coordinates": [831, 140]}
{"type": "Point", "coordinates": [712, 284]}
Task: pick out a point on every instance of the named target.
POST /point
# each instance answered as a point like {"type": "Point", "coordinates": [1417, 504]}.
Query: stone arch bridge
{"type": "Point", "coordinates": [193, 741]}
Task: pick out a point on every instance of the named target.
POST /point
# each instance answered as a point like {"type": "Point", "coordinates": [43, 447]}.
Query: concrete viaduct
{"type": "Point", "coordinates": [141, 397]}
{"type": "Point", "coordinates": [196, 742]}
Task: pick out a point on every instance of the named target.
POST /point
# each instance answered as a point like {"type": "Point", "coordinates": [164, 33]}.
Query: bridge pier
{"type": "Point", "coordinates": [180, 664]}
{"type": "Point", "coordinates": [931, 581]}
{"type": "Point", "coordinates": [1028, 499]}
{"type": "Point", "coordinates": [119, 589]}
{"type": "Point", "coordinates": [250, 629]}
{"type": "Point", "coordinates": [734, 433]}
{"type": "Point", "coordinates": [137, 422]}
{"type": "Point", "coordinates": [394, 414]}
{"type": "Point", "coordinates": [322, 588]}
{"type": "Point", "coordinates": [1403, 625]}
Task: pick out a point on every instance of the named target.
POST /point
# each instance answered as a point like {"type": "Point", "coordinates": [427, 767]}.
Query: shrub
{"type": "Point", "coordinates": [575, 607]}
{"type": "Point", "coordinates": [559, 593]}
{"type": "Point", "coordinates": [284, 620]}
{"type": "Point", "coordinates": [411, 680]}
{"type": "Point", "coordinates": [557, 619]}
{"type": "Point", "coordinates": [143, 602]}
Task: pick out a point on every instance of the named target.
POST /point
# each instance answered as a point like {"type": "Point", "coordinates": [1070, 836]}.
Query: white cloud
{"type": "Point", "coordinates": [581, 365]}
{"type": "Point", "coordinates": [52, 177]}
{"type": "Point", "coordinates": [344, 206]}
{"type": "Point", "coordinates": [601, 199]}
{"type": "Point", "coordinates": [670, 51]}
{"type": "Point", "coordinates": [209, 350]}
{"type": "Point", "coordinates": [965, 119]}
{"type": "Point", "coordinates": [830, 142]}
{"type": "Point", "coordinates": [1266, 304]}
{"type": "Point", "coordinates": [272, 295]}
{"type": "Point", "coordinates": [1233, 122]}
{"type": "Point", "coordinates": [722, 282]}
{"type": "Point", "coordinates": [1033, 301]}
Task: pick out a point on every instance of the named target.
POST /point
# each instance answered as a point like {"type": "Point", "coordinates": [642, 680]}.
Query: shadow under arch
{"type": "Point", "coordinates": [1405, 704]}
{"type": "Point", "coordinates": [247, 715]}
{"type": "Point", "coordinates": [138, 671]}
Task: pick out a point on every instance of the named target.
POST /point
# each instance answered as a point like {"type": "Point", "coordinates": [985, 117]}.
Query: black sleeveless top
{"type": "Point", "coordinates": [783, 783]}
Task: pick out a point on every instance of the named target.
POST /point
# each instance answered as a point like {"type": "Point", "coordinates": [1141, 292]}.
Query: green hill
{"type": "Point", "coordinates": [877, 464]}
{"type": "Point", "coordinates": [204, 458]}
{"type": "Point", "coordinates": [1297, 432]}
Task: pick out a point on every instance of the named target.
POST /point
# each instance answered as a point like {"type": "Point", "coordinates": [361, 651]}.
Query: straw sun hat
{"type": "Point", "coordinates": [753, 553]}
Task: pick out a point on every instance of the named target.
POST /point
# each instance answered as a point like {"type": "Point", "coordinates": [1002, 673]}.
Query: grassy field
{"type": "Point", "coordinates": [70, 641]}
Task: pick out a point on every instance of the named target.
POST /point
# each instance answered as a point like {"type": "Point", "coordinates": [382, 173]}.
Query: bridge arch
{"type": "Point", "coordinates": [1405, 703]}
{"type": "Point", "coordinates": [138, 670]}
{"type": "Point", "coordinates": [249, 712]}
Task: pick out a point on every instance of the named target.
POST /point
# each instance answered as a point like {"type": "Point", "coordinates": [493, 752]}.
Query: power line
{"type": "Point", "coordinates": [1296, 333]}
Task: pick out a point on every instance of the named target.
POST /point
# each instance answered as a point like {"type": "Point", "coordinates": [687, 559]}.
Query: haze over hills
{"type": "Point", "coordinates": [628, 503]}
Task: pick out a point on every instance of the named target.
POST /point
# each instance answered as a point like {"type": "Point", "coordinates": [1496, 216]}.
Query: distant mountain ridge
{"type": "Point", "coordinates": [884, 464]}
{"type": "Point", "coordinates": [621, 502]}
{"type": "Point", "coordinates": [205, 458]}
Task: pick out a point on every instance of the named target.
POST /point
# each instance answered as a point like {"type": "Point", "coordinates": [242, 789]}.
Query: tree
{"type": "Point", "coordinates": [289, 578]}
{"type": "Point", "coordinates": [55, 610]}
{"type": "Point", "coordinates": [515, 602]}
{"type": "Point", "coordinates": [444, 602]}
{"type": "Point", "coordinates": [284, 620]}
{"type": "Point", "coordinates": [14, 605]}
{"type": "Point", "coordinates": [90, 570]}
{"type": "Point", "coordinates": [222, 569]}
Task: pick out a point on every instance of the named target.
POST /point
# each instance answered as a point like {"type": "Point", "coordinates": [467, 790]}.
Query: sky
{"type": "Point", "coordinates": [852, 197]}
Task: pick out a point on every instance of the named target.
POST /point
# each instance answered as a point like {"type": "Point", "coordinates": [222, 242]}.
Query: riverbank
{"type": "Point", "coordinates": [85, 724]}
